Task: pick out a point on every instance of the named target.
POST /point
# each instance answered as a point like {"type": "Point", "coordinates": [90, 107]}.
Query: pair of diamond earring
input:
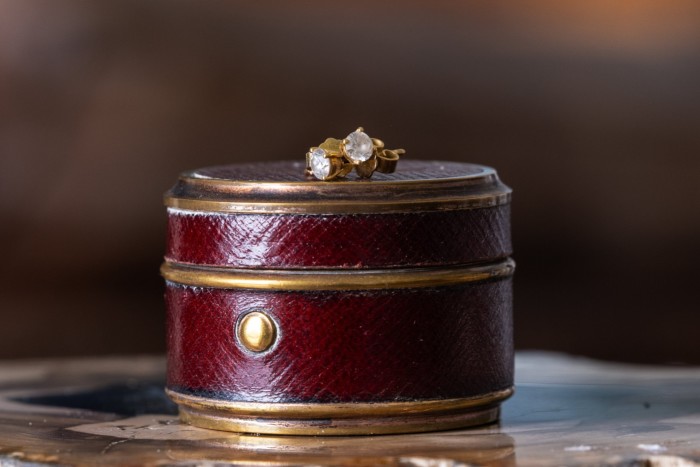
{"type": "Point", "coordinates": [335, 158]}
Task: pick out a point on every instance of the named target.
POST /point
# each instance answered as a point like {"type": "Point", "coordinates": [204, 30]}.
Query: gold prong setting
{"type": "Point", "coordinates": [336, 158]}
{"type": "Point", "coordinates": [319, 163]}
{"type": "Point", "coordinates": [358, 147]}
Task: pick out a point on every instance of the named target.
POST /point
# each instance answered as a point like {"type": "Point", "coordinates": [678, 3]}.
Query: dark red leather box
{"type": "Point", "coordinates": [298, 306]}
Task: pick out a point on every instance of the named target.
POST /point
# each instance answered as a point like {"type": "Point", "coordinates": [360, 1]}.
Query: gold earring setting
{"type": "Point", "coordinates": [335, 158]}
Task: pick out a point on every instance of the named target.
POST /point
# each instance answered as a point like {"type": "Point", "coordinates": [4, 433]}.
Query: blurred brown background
{"type": "Point", "coordinates": [589, 109]}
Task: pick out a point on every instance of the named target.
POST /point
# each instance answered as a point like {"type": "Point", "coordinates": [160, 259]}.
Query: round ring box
{"type": "Point", "coordinates": [297, 306]}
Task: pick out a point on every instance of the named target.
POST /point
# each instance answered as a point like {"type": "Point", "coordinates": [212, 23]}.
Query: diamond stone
{"type": "Point", "coordinates": [358, 146]}
{"type": "Point", "coordinates": [320, 165]}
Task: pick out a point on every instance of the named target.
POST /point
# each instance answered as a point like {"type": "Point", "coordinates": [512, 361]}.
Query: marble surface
{"type": "Point", "coordinates": [566, 411]}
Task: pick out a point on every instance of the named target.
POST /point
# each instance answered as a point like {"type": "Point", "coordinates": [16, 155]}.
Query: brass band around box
{"type": "Point", "coordinates": [335, 158]}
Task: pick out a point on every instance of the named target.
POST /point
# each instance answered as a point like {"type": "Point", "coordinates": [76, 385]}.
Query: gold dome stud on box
{"type": "Point", "coordinates": [256, 331]}
{"type": "Point", "coordinates": [335, 158]}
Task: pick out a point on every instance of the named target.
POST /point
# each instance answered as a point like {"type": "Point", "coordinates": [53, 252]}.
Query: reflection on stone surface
{"type": "Point", "coordinates": [486, 445]}
{"type": "Point", "coordinates": [566, 412]}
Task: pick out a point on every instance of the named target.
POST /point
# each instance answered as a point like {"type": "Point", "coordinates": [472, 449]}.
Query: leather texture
{"type": "Point", "coordinates": [368, 346]}
{"type": "Point", "coordinates": [379, 345]}
{"type": "Point", "coordinates": [269, 241]}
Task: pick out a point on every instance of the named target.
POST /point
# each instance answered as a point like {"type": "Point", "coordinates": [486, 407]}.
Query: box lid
{"type": "Point", "coordinates": [271, 216]}
{"type": "Point", "coordinates": [282, 187]}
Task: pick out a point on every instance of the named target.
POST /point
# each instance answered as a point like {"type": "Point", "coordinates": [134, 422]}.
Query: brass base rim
{"type": "Point", "coordinates": [340, 419]}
